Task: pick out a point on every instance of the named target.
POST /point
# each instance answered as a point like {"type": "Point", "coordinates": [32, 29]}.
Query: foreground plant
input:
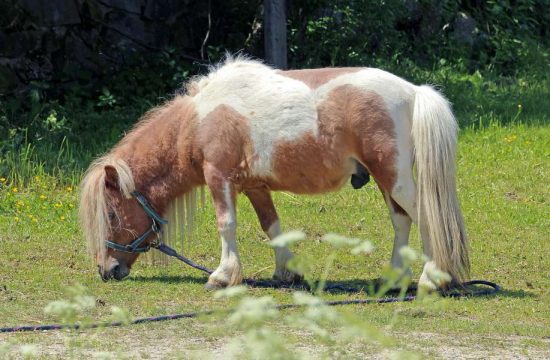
{"type": "Point", "coordinates": [335, 330]}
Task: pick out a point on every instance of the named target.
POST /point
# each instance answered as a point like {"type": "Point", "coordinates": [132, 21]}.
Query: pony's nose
{"type": "Point", "coordinates": [105, 276]}
{"type": "Point", "coordinates": [119, 272]}
{"type": "Point", "coordinates": [116, 273]}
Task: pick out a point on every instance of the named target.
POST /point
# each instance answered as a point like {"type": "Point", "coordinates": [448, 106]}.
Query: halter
{"type": "Point", "coordinates": [134, 246]}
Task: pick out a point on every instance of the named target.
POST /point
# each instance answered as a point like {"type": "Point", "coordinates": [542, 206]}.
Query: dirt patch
{"type": "Point", "coordinates": [196, 340]}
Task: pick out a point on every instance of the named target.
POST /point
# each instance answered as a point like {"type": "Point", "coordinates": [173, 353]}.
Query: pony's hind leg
{"type": "Point", "coordinates": [263, 205]}
{"type": "Point", "coordinates": [401, 222]}
{"type": "Point", "coordinates": [404, 194]}
{"type": "Point", "coordinates": [224, 195]}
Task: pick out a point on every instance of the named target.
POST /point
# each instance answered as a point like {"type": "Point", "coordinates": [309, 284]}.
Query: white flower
{"type": "Point", "coordinates": [119, 314]}
{"type": "Point", "coordinates": [438, 277]}
{"type": "Point", "coordinates": [339, 241]}
{"type": "Point", "coordinates": [254, 310]}
{"type": "Point", "coordinates": [408, 254]}
{"type": "Point", "coordinates": [230, 292]}
{"type": "Point", "coordinates": [29, 351]}
{"type": "Point", "coordinates": [364, 247]}
{"type": "Point", "coordinates": [288, 238]}
{"type": "Point", "coordinates": [303, 298]}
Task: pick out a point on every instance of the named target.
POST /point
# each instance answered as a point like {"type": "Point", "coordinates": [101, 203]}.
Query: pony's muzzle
{"type": "Point", "coordinates": [115, 271]}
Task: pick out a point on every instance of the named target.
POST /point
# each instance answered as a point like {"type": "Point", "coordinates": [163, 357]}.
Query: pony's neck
{"type": "Point", "coordinates": [161, 155]}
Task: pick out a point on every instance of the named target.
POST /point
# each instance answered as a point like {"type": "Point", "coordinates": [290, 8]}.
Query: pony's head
{"type": "Point", "coordinates": [109, 212]}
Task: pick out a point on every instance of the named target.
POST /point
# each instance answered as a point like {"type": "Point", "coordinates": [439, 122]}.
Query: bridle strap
{"type": "Point", "coordinates": [135, 246]}
{"type": "Point", "coordinates": [148, 208]}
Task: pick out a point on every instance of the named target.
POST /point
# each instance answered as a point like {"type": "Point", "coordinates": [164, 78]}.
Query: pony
{"type": "Point", "coordinates": [248, 128]}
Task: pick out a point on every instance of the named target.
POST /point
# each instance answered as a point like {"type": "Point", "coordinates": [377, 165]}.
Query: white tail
{"type": "Point", "coordinates": [434, 132]}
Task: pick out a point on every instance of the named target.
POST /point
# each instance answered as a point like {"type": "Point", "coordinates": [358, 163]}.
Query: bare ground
{"type": "Point", "coordinates": [167, 342]}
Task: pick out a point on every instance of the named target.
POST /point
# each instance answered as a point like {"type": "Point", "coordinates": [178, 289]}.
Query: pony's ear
{"type": "Point", "coordinates": [111, 177]}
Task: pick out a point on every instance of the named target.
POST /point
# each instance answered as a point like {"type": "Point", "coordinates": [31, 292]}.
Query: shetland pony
{"type": "Point", "coordinates": [247, 128]}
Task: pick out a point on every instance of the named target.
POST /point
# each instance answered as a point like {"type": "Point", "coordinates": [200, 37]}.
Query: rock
{"type": "Point", "coordinates": [465, 29]}
{"type": "Point", "coordinates": [19, 43]}
{"type": "Point", "coordinates": [53, 12]}
{"type": "Point", "coordinates": [161, 10]}
{"type": "Point", "coordinates": [129, 29]}
{"type": "Point", "coordinates": [131, 6]}
{"type": "Point", "coordinates": [81, 58]}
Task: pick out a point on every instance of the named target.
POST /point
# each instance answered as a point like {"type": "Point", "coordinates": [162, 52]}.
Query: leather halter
{"type": "Point", "coordinates": [135, 245]}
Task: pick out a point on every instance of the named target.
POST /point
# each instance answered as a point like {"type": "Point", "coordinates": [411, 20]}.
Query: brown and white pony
{"type": "Point", "coordinates": [248, 128]}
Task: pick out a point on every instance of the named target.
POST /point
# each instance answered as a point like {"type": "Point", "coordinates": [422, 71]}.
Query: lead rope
{"type": "Point", "coordinates": [491, 289]}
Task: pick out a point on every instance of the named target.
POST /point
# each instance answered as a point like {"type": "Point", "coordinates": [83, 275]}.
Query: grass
{"type": "Point", "coordinates": [503, 186]}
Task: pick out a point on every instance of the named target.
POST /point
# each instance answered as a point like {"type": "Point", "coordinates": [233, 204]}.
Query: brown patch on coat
{"type": "Point", "coordinates": [317, 77]}
{"type": "Point", "coordinates": [161, 151]}
{"type": "Point", "coordinates": [263, 205]}
{"type": "Point", "coordinates": [352, 124]}
{"type": "Point", "coordinates": [312, 165]}
{"type": "Point", "coordinates": [224, 138]}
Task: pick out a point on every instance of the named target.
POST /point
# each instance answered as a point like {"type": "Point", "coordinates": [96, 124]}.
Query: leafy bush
{"type": "Point", "coordinates": [506, 37]}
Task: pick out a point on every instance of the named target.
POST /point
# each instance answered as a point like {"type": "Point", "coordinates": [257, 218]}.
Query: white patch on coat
{"type": "Point", "coordinates": [230, 219]}
{"type": "Point", "coordinates": [282, 254]}
{"type": "Point", "coordinates": [277, 107]}
{"type": "Point", "coordinates": [229, 270]}
{"type": "Point", "coordinates": [274, 230]}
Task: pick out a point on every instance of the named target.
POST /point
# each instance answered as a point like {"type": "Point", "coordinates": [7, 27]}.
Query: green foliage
{"type": "Point", "coordinates": [503, 37]}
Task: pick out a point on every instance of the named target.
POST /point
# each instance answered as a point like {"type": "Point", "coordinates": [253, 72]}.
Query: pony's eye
{"type": "Point", "coordinates": [111, 215]}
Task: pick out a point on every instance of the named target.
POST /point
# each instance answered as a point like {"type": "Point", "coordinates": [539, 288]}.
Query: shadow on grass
{"type": "Point", "coordinates": [170, 279]}
{"type": "Point", "coordinates": [370, 287]}
{"type": "Point", "coordinates": [517, 294]}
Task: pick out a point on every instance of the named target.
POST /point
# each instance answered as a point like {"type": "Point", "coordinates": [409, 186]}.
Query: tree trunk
{"type": "Point", "coordinates": [275, 33]}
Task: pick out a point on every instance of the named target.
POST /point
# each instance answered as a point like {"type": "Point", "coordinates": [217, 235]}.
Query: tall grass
{"type": "Point", "coordinates": [56, 161]}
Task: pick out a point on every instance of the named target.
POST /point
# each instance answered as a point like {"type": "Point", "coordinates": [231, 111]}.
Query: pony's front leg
{"type": "Point", "coordinates": [224, 195]}
{"type": "Point", "coordinates": [263, 205]}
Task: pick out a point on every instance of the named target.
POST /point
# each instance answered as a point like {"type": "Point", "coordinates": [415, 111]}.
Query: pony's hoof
{"type": "Point", "coordinates": [288, 277]}
{"type": "Point", "coordinates": [426, 286]}
{"type": "Point", "coordinates": [213, 285]}
{"type": "Point", "coordinates": [433, 279]}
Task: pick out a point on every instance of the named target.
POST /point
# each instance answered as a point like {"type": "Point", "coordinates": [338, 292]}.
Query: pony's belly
{"type": "Point", "coordinates": [311, 177]}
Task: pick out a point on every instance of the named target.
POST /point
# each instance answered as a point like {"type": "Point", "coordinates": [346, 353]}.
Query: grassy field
{"type": "Point", "coordinates": [504, 166]}
{"type": "Point", "coordinates": [503, 186]}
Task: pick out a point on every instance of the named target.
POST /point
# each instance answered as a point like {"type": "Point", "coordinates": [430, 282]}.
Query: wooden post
{"type": "Point", "coordinates": [275, 33]}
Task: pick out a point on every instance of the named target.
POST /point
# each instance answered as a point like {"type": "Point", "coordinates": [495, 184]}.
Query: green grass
{"type": "Point", "coordinates": [503, 187]}
{"type": "Point", "coordinates": [504, 164]}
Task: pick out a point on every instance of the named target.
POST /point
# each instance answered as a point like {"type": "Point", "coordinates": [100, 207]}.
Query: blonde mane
{"type": "Point", "coordinates": [181, 217]}
{"type": "Point", "coordinates": [94, 209]}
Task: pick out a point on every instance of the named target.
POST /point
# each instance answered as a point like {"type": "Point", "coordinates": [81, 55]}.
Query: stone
{"type": "Point", "coordinates": [465, 29]}
{"type": "Point", "coordinates": [161, 10]}
{"type": "Point", "coordinates": [19, 43]}
{"type": "Point", "coordinates": [131, 6]}
{"type": "Point", "coordinates": [53, 12]}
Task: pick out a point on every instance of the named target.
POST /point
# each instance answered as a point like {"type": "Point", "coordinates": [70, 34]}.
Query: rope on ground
{"type": "Point", "coordinates": [491, 288]}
